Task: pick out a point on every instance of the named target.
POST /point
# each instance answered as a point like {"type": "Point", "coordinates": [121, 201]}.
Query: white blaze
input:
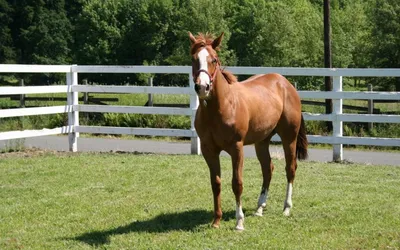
{"type": "Point", "coordinates": [204, 78]}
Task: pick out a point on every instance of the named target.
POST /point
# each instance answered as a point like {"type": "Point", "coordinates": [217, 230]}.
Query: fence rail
{"type": "Point", "coordinates": [73, 108]}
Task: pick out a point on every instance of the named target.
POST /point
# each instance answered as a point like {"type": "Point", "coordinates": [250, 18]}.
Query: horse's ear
{"type": "Point", "coordinates": [192, 39]}
{"type": "Point", "coordinates": [217, 41]}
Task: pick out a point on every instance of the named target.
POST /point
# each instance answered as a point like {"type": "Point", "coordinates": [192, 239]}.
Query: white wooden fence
{"type": "Point", "coordinates": [72, 88]}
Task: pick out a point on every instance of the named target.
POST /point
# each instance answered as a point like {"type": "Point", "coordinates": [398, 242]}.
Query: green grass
{"type": "Point", "coordinates": [127, 201]}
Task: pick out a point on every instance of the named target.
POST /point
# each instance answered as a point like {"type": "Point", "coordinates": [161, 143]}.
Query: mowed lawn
{"type": "Point", "coordinates": [52, 200]}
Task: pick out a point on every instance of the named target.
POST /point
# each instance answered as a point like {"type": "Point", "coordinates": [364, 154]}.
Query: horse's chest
{"type": "Point", "coordinates": [226, 132]}
{"type": "Point", "coordinates": [222, 126]}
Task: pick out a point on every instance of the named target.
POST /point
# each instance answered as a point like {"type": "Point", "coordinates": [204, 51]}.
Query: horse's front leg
{"type": "Point", "coordinates": [212, 159]}
{"type": "Point", "coordinates": [236, 153]}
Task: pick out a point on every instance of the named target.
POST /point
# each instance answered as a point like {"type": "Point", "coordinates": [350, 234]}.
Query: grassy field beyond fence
{"type": "Point", "coordinates": [129, 201]}
{"type": "Point", "coordinates": [386, 130]}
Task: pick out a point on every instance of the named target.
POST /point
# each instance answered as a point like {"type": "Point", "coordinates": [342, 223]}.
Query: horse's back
{"type": "Point", "coordinates": [267, 87]}
{"type": "Point", "coordinates": [266, 80]}
{"type": "Point", "coordinates": [273, 86]}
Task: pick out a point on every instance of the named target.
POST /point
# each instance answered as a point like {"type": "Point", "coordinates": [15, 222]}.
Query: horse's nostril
{"type": "Point", "coordinates": [197, 88]}
{"type": "Point", "coordinates": [208, 87]}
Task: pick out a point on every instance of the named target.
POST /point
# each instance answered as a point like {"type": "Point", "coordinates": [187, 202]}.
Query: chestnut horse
{"type": "Point", "coordinates": [232, 114]}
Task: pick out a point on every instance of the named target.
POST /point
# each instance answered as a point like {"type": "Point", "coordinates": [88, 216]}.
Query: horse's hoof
{"type": "Point", "coordinates": [239, 228]}
{"type": "Point", "coordinates": [239, 225]}
{"type": "Point", "coordinates": [215, 226]}
{"type": "Point", "coordinates": [286, 211]}
{"type": "Point", "coordinates": [259, 212]}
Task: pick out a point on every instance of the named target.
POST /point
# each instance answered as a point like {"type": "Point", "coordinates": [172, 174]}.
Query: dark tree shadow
{"type": "Point", "coordinates": [185, 221]}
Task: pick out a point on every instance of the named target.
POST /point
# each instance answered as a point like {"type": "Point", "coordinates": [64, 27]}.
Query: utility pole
{"type": "Point", "coordinates": [327, 58]}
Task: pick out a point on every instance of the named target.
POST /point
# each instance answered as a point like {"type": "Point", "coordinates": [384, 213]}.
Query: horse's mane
{"type": "Point", "coordinates": [203, 40]}
{"type": "Point", "coordinates": [229, 77]}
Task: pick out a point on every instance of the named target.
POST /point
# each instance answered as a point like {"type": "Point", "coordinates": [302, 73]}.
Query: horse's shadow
{"type": "Point", "coordinates": [185, 221]}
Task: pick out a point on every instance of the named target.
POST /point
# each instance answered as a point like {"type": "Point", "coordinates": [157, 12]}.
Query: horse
{"type": "Point", "coordinates": [232, 114]}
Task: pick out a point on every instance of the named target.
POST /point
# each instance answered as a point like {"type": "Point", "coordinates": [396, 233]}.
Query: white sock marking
{"type": "Point", "coordinates": [262, 203]}
{"type": "Point", "coordinates": [239, 217]}
{"type": "Point", "coordinates": [288, 201]}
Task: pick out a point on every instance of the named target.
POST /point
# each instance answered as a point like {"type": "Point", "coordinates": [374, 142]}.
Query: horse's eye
{"type": "Point", "coordinates": [214, 60]}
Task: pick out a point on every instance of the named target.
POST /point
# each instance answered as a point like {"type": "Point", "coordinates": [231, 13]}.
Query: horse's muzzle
{"type": "Point", "coordinates": [202, 90]}
{"type": "Point", "coordinates": [197, 88]}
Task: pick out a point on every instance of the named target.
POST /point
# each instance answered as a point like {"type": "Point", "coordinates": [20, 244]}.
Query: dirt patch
{"type": "Point", "coordinates": [31, 152]}
{"type": "Point", "coordinates": [37, 152]}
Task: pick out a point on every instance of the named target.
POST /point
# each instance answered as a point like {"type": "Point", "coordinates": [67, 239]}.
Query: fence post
{"type": "Point", "coordinates": [22, 96]}
{"type": "Point", "coordinates": [86, 98]}
{"type": "Point", "coordinates": [337, 125]}
{"type": "Point", "coordinates": [150, 96]}
{"type": "Point", "coordinates": [370, 107]}
{"type": "Point", "coordinates": [194, 103]}
{"type": "Point", "coordinates": [73, 116]}
{"type": "Point", "coordinates": [85, 94]}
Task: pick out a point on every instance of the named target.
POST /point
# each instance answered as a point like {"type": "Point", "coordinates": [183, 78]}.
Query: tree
{"type": "Point", "coordinates": [386, 39]}
{"type": "Point", "coordinates": [157, 33]}
{"type": "Point", "coordinates": [42, 32]}
{"type": "Point", "coordinates": [98, 32]}
{"type": "Point", "coordinates": [7, 52]}
{"type": "Point", "coordinates": [144, 39]}
{"type": "Point", "coordinates": [349, 42]}
{"type": "Point", "coordinates": [73, 9]}
{"type": "Point", "coordinates": [277, 34]}
{"type": "Point", "coordinates": [201, 16]}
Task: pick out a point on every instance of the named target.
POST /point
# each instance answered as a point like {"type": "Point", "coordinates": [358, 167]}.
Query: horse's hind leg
{"type": "Point", "coordinates": [267, 167]}
{"type": "Point", "coordinates": [289, 146]}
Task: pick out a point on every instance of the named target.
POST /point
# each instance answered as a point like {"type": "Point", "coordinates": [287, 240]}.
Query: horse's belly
{"type": "Point", "coordinates": [256, 136]}
{"type": "Point", "coordinates": [260, 127]}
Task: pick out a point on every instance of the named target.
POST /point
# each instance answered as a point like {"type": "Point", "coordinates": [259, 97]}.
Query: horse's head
{"type": "Point", "coordinates": [205, 62]}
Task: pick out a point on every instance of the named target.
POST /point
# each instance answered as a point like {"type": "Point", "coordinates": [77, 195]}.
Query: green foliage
{"type": "Point", "coordinates": [42, 32]}
{"type": "Point", "coordinates": [100, 18]}
{"type": "Point", "coordinates": [200, 16]}
{"type": "Point", "coordinates": [386, 33]}
{"type": "Point", "coordinates": [154, 32]}
{"type": "Point", "coordinates": [7, 51]}
{"type": "Point", "coordinates": [145, 121]}
{"type": "Point", "coordinates": [276, 33]}
{"type": "Point", "coordinates": [386, 40]}
{"type": "Point", "coordinates": [350, 43]}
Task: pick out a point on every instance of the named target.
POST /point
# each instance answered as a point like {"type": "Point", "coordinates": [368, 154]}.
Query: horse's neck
{"type": "Point", "coordinates": [222, 96]}
{"type": "Point", "coordinates": [221, 89]}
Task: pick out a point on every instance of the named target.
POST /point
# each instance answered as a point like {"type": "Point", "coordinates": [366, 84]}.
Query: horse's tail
{"type": "Point", "coordinates": [302, 142]}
